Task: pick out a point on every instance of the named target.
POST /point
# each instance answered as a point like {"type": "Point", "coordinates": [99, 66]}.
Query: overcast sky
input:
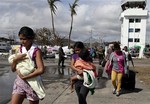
{"type": "Point", "coordinates": [97, 17]}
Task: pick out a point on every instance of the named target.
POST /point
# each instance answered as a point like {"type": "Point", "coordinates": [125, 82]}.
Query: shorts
{"type": "Point", "coordinates": [23, 88]}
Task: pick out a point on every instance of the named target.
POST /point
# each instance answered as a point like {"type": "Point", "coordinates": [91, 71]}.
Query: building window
{"type": "Point", "coordinates": [136, 40]}
{"type": "Point", "coordinates": [131, 20]}
{"type": "Point", "coordinates": [137, 30]}
{"type": "Point", "coordinates": [130, 40]}
{"type": "Point", "coordinates": [137, 20]}
{"type": "Point", "coordinates": [130, 29]}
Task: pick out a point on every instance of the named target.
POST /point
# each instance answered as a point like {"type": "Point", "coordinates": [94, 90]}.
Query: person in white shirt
{"type": "Point", "coordinates": [128, 56]}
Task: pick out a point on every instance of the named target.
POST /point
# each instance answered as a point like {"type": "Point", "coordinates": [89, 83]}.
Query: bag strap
{"type": "Point", "coordinates": [26, 53]}
{"type": "Point", "coordinates": [29, 56]}
{"type": "Point", "coordinates": [33, 55]}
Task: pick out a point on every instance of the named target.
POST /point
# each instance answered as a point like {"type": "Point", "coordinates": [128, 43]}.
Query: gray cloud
{"type": "Point", "coordinates": [99, 16]}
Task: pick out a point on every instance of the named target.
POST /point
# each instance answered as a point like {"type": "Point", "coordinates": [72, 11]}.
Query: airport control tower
{"type": "Point", "coordinates": [133, 23]}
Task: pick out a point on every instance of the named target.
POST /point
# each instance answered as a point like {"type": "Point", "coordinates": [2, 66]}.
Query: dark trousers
{"type": "Point", "coordinates": [61, 60]}
{"type": "Point", "coordinates": [82, 93]}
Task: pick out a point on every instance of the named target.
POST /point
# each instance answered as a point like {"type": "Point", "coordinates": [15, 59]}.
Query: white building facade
{"type": "Point", "coordinates": [133, 23]}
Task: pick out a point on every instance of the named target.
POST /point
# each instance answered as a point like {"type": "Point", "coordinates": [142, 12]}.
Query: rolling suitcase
{"type": "Point", "coordinates": [128, 82]}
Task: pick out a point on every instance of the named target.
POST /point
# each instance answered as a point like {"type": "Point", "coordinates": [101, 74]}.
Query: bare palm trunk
{"type": "Point", "coordinates": [53, 23]}
{"type": "Point", "coordinates": [55, 37]}
{"type": "Point", "coordinates": [70, 32]}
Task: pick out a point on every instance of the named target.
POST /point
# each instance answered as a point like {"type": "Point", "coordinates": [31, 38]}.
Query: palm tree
{"type": "Point", "coordinates": [73, 12]}
{"type": "Point", "coordinates": [53, 8]}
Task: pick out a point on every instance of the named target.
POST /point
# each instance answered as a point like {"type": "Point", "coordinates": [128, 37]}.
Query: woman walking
{"type": "Point", "coordinates": [81, 90]}
{"type": "Point", "coordinates": [21, 88]}
{"type": "Point", "coordinates": [117, 61]}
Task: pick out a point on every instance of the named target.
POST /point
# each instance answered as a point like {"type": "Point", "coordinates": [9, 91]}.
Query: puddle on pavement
{"type": "Point", "coordinates": [57, 70]}
{"type": "Point", "coordinates": [6, 82]}
{"type": "Point", "coordinates": [65, 72]}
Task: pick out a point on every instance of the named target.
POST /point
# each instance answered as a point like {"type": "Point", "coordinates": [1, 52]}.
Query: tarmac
{"type": "Point", "coordinates": [58, 89]}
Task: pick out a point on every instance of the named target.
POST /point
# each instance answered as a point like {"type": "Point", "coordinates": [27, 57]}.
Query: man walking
{"type": "Point", "coordinates": [61, 56]}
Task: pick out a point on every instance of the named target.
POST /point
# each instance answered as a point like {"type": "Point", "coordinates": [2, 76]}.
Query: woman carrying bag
{"type": "Point", "coordinates": [116, 67]}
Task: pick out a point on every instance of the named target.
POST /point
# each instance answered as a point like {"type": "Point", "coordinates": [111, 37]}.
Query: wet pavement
{"type": "Point", "coordinates": [56, 79]}
{"type": "Point", "coordinates": [6, 81]}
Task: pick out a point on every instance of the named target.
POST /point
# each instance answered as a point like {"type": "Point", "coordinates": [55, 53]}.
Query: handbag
{"type": "Point", "coordinates": [108, 67]}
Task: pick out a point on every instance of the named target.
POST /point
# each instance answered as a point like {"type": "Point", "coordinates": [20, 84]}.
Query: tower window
{"type": "Point", "coordinates": [136, 40]}
{"type": "Point", "coordinates": [137, 20]}
{"type": "Point", "coordinates": [131, 20]}
{"type": "Point", "coordinates": [130, 40]}
{"type": "Point", "coordinates": [131, 29]}
{"type": "Point", "coordinates": [137, 30]}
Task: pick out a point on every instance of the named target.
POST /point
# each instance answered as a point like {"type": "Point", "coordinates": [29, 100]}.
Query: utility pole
{"type": "Point", "coordinates": [91, 39]}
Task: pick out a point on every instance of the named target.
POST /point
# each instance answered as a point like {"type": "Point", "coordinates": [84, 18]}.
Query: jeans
{"type": "Point", "coordinates": [116, 76]}
{"type": "Point", "coordinates": [82, 92]}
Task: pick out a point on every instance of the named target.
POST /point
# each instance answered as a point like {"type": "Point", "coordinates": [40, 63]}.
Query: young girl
{"type": "Point", "coordinates": [83, 64]}
{"type": "Point", "coordinates": [26, 67]}
{"type": "Point", "coordinates": [81, 90]}
{"type": "Point", "coordinates": [21, 88]}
